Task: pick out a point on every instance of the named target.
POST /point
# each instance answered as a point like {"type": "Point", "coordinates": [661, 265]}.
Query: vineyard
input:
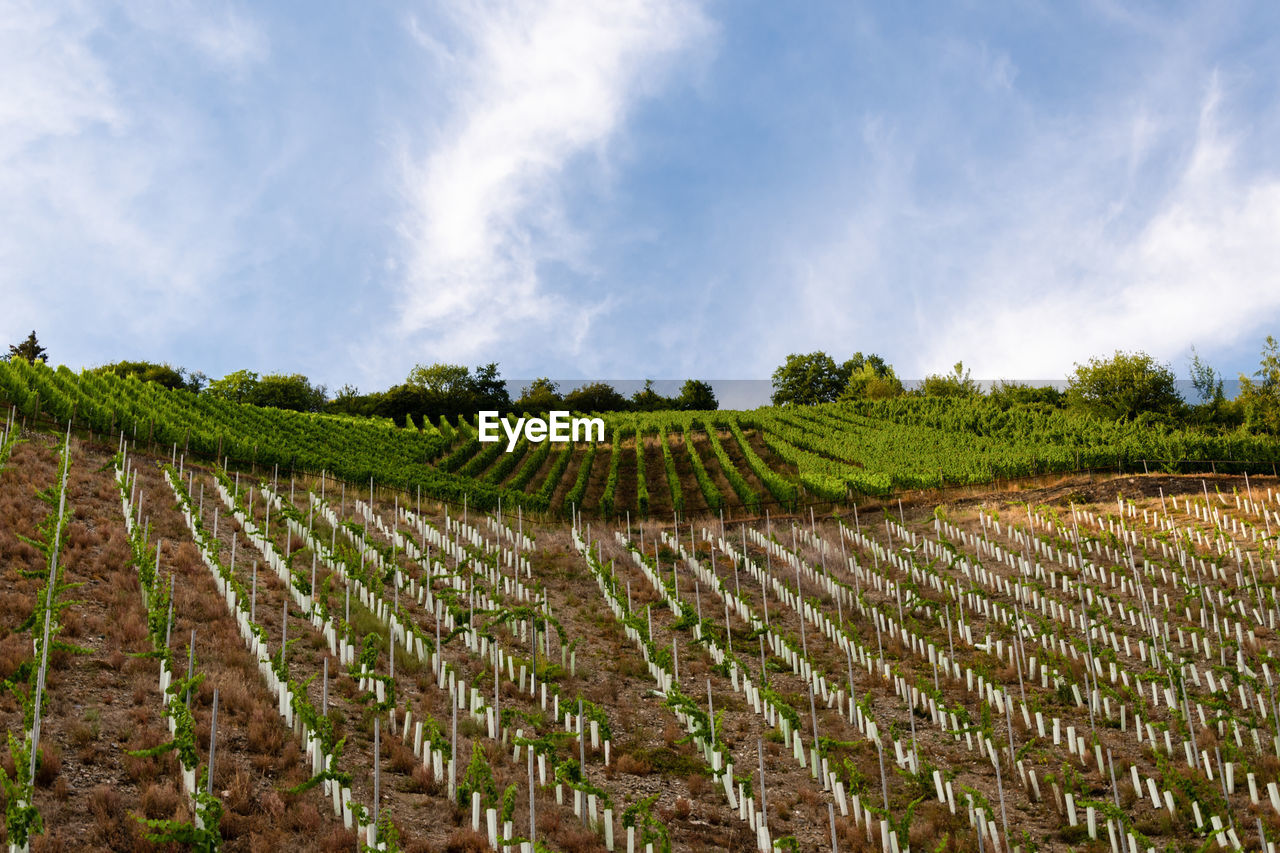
{"type": "Point", "coordinates": [235, 628]}
{"type": "Point", "coordinates": [677, 464]}
{"type": "Point", "coordinates": [208, 658]}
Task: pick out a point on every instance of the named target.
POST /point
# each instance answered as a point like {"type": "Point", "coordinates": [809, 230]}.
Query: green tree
{"type": "Point", "coordinates": [452, 390]}
{"type": "Point", "coordinates": [292, 391]}
{"type": "Point", "coordinates": [196, 380]}
{"type": "Point", "coordinates": [489, 389]}
{"type": "Point", "coordinates": [445, 380]}
{"type": "Point", "coordinates": [1007, 394]}
{"type": "Point", "coordinates": [147, 371]}
{"type": "Point", "coordinates": [596, 397]}
{"type": "Point", "coordinates": [236, 387]}
{"type": "Point", "coordinates": [29, 349]}
{"type": "Point", "coordinates": [1261, 400]}
{"type": "Point", "coordinates": [696, 395]}
{"type": "Point", "coordinates": [869, 377]}
{"type": "Point", "coordinates": [1124, 386]}
{"type": "Point", "coordinates": [1206, 380]}
{"type": "Point", "coordinates": [955, 384]}
{"type": "Point", "coordinates": [804, 380]}
{"type": "Point", "coordinates": [649, 400]}
{"type": "Point", "coordinates": [542, 395]}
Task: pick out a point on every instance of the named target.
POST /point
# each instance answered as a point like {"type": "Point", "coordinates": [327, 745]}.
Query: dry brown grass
{"type": "Point", "coordinates": [49, 765]}
{"type": "Point", "coordinates": [635, 766]}
{"type": "Point", "coordinates": [466, 840]}
{"type": "Point", "coordinates": [265, 734]}
{"type": "Point", "coordinates": [160, 801]}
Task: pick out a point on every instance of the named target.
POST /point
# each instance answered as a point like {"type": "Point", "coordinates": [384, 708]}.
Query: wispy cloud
{"type": "Point", "coordinates": [542, 89]}
{"type": "Point", "coordinates": [1201, 267]}
{"type": "Point", "coordinates": [1025, 235]}
{"type": "Point", "coordinates": [106, 233]}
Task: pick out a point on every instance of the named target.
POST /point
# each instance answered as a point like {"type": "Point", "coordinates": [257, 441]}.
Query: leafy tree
{"type": "Point", "coordinates": [804, 380]}
{"type": "Point", "coordinates": [349, 401]}
{"type": "Point", "coordinates": [1124, 386]}
{"type": "Point", "coordinates": [236, 387]}
{"type": "Point", "coordinates": [697, 395]}
{"type": "Point", "coordinates": [869, 377]}
{"type": "Point", "coordinates": [649, 400]}
{"type": "Point", "coordinates": [446, 380]}
{"type": "Point", "coordinates": [147, 371]}
{"type": "Point", "coordinates": [1261, 399]}
{"type": "Point", "coordinates": [29, 349]}
{"type": "Point", "coordinates": [399, 402]}
{"type": "Point", "coordinates": [1008, 394]}
{"type": "Point", "coordinates": [452, 390]}
{"type": "Point", "coordinates": [542, 395]}
{"type": "Point", "coordinates": [489, 389]}
{"type": "Point", "coordinates": [1206, 380]}
{"type": "Point", "coordinates": [955, 384]}
{"type": "Point", "coordinates": [595, 397]}
{"type": "Point", "coordinates": [293, 391]}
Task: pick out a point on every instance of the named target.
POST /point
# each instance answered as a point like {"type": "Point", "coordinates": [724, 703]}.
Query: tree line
{"type": "Point", "coordinates": [1124, 386]}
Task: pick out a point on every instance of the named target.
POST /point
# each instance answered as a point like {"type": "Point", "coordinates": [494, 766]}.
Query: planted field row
{"type": "Point", "coordinates": [658, 463]}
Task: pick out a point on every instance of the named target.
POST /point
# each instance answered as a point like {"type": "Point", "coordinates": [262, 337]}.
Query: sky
{"type": "Point", "coordinates": [641, 188]}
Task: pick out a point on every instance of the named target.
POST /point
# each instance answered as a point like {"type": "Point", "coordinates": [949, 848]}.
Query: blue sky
{"type": "Point", "coordinates": [640, 188]}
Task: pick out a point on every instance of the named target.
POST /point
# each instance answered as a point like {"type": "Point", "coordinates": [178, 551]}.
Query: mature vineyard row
{"type": "Point", "coordinates": [824, 454]}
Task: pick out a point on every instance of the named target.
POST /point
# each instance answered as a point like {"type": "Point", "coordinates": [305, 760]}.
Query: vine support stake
{"type": "Point", "coordinates": [533, 832]}
{"type": "Point", "coordinates": [213, 740]}
{"type": "Point", "coordinates": [377, 776]}
{"type": "Point", "coordinates": [191, 664]}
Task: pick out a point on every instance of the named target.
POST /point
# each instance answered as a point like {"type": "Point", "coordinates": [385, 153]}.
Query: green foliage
{"type": "Point", "coordinates": [21, 817]}
{"type": "Point", "coordinates": [650, 829]}
{"type": "Point", "coordinates": [955, 384]}
{"type": "Point", "coordinates": [649, 400]}
{"type": "Point", "coordinates": [579, 489]}
{"type": "Point", "coordinates": [509, 801]}
{"type": "Point", "coordinates": [1206, 380]}
{"type": "Point", "coordinates": [1261, 399]}
{"type": "Point", "coordinates": [1123, 387]}
{"type": "Point", "coordinates": [235, 387]}
{"type": "Point", "coordinates": [595, 397]}
{"type": "Point", "coordinates": [749, 497]}
{"type": "Point", "coordinates": [540, 396]}
{"type": "Point", "coordinates": [477, 780]}
{"type": "Point", "coordinates": [293, 392]}
{"type": "Point", "coordinates": [710, 492]}
{"type": "Point", "coordinates": [1009, 394]}
{"type": "Point", "coordinates": [804, 380]}
{"type": "Point", "coordinates": [869, 378]}
{"type": "Point", "coordinates": [29, 350]}
{"type": "Point", "coordinates": [611, 481]}
{"type": "Point", "coordinates": [642, 484]}
{"type": "Point", "coordinates": [165, 375]}
{"type": "Point", "coordinates": [669, 465]}
{"type": "Point", "coordinates": [696, 395]}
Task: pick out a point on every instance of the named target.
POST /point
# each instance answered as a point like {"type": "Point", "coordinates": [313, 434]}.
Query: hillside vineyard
{"type": "Point", "coordinates": [246, 629]}
{"type": "Point", "coordinates": [739, 463]}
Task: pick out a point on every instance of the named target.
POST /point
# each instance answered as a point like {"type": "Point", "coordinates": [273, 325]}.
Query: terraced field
{"type": "Point", "coordinates": [679, 464]}
{"type": "Point", "coordinates": [1090, 667]}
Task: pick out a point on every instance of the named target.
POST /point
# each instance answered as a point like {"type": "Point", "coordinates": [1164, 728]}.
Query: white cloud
{"type": "Point", "coordinates": [1142, 220]}
{"type": "Point", "coordinates": [54, 85]}
{"type": "Point", "coordinates": [542, 87]}
{"type": "Point", "coordinates": [106, 233]}
{"type": "Point", "coordinates": [1202, 268]}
